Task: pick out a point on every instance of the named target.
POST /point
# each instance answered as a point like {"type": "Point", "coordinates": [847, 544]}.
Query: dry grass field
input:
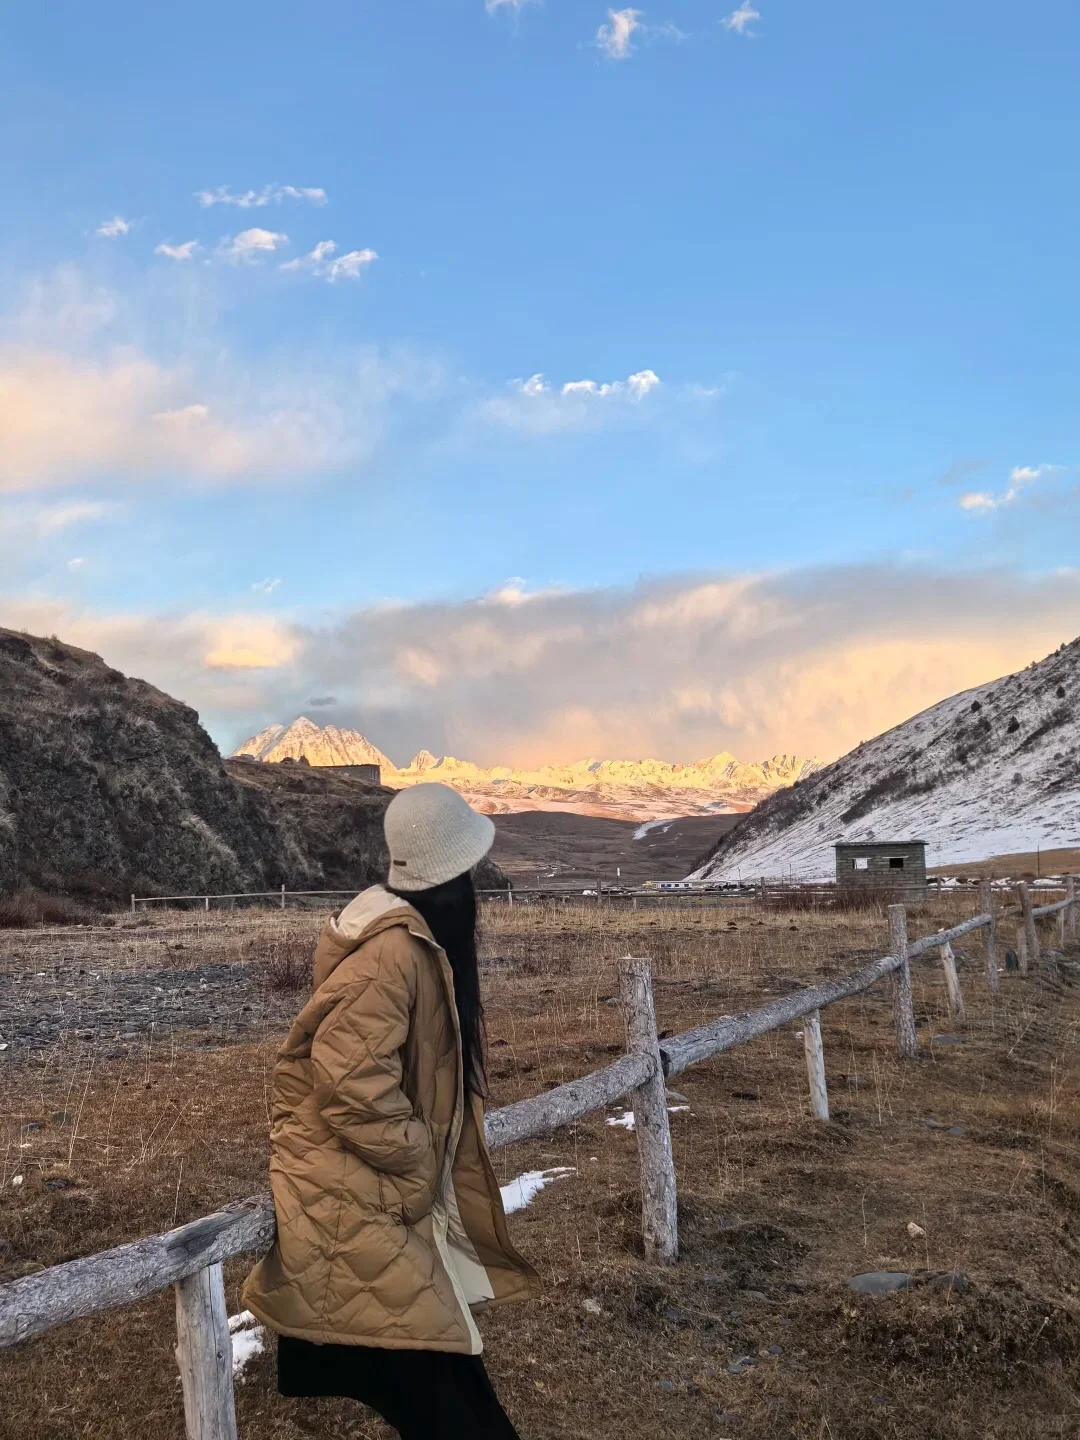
{"type": "Point", "coordinates": [122, 1125]}
{"type": "Point", "coordinates": [1021, 865]}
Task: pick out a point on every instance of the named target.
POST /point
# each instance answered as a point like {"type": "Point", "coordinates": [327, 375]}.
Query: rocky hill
{"type": "Point", "coordinates": [992, 771]}
{"type": "Point", "coordinates": [109, 787]}
{"type": "Point", "coordinates": [611, 789]}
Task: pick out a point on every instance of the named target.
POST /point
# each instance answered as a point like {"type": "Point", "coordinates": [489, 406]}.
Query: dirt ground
{"type": "Point", "coordinates": [532, 844]}
{"type": "Point", "coordinates": [754, 1334]}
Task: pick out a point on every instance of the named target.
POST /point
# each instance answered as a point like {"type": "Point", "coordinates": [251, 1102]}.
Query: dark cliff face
{"type": "Point", "coordinates": [109, 787]}
{"type": "Point", "coordinates": [106, 784]}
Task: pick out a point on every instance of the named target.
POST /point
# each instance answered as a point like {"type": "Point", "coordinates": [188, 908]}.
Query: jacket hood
{"type": "Point", "coordinates": [373, 911]}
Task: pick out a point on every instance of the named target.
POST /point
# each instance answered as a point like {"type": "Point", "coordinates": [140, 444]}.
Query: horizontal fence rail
{"type": "Point", "coordinates": [190, 1257]}
{"type": "Point", "coordinates": [619, 892]}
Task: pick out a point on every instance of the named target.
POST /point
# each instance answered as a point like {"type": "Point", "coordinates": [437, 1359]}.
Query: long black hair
{"type": "Point", "coordinates": [450, 912]}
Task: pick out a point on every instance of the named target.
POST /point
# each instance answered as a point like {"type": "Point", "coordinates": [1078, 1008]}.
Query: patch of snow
{"type": "Point", "coordinates": [248, 1340]}
{"type": "Point", "coordinates": [625, 1121]}
{"type": "Point", "coordinates": [643, 830]}
{"type": "Point", "coordinates": [524, 1190]}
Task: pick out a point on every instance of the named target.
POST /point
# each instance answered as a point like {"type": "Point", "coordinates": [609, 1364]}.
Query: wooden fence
{"type": "Point", "coordinates": [190, 1258]}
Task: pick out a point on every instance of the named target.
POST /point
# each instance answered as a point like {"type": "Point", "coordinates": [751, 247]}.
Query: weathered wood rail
{"type": "Point", "coordinates": [190, 1257]}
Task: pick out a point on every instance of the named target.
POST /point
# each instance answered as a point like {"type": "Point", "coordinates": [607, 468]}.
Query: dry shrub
{"type": "Point", "coordinates": [282, 961]}
{"type": "Point", "coordinates": [799, 900]}
{"type": "Point", "coordinates": [26, 909]}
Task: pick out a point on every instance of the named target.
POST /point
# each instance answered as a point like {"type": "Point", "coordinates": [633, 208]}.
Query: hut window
{"type": "Point", "coordinates": [896, 862]}
{"type": "Point", "coordinates": [861, 864]}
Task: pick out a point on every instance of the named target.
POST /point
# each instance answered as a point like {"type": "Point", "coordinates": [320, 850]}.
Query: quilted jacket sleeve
{"type": "Point", "coordinates": [356, 1058]}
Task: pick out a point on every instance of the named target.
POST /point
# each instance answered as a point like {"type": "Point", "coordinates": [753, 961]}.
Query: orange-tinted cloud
{"type": "Point", "coordinates": [812, 662]}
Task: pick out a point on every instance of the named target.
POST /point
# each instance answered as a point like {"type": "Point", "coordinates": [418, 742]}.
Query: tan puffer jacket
{"type": "Point", "coordinates": [390, 1226]}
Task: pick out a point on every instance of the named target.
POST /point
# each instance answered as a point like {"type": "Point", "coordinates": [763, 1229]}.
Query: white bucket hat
{"type": "Point", "coordinates": [433, 834]}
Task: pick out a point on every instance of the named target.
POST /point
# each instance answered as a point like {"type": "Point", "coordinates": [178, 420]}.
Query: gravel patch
{"type": "Point", "coordinates": [120, 1012]}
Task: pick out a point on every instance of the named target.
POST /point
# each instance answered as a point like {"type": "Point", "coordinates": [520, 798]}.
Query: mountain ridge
{"type": "Point", "coordinates": [319, 745]}
{"type": "Point", "coordinates": [991, 770]}
{"type": "Point", "coordinates": [643, 789]}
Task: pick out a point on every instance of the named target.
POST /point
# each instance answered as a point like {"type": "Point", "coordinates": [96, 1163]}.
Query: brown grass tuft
{"type": "Point", "coordinates": [282, 961]}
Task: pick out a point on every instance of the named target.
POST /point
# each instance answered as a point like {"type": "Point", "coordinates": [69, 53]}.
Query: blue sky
{"type": "Point", "coordinates": [817, 262]}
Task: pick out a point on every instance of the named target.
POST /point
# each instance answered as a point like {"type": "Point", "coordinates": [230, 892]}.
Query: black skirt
{"type": "Point", "coordinates": [424, 1394]}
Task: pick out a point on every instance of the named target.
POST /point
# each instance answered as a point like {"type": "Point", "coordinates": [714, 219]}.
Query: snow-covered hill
{"type": "Point", "coordinates": [992, 771]}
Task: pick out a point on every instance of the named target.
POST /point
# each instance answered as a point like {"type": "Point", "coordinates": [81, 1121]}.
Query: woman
{"type": "Point", "coordinates": [390, 1226]}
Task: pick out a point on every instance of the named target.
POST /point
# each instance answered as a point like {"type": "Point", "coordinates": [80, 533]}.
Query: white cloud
{"type": "Point", "coordinates": [250, 244]}
{"type": "Point", "coordinates": [741, 19]}
{"type": "Point", "coordinates": [177, 252]}
{"type": "Point", "coordinates": [542, 408]}
{"type": "Point", "coordinates": [76, 563]}
{"type": "Point", "coordinates": [320, 261]}
{"type": "Point", "coordinates": [257, 199]}
{"type": "Point", "coordinates": [636, 386]}
{"type": "Point", "coordinates": [1021, 478]}
{"type": "Point", "coordinates": [615, 37]}
{"type": "Point", "coordinates": [322, 251]}
{"type": "Point", "coordinates": [351, 265]}
{"type": "Point", "coordinates": [978, 500]}
{"type": "Point", "coordinates": [51, 519]}
{"type": "Point", "coordinates": [492, 5]}
{"type": "Point", "coordinates": [266, 587]}
{"type": "Point", "coordinates": [112, 229]}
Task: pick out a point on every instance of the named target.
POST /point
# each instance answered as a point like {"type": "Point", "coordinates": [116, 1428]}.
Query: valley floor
{"type": "Point", "coordinates": [126, 1116]}
{"type": "Point", "coordinates": [532, 844]}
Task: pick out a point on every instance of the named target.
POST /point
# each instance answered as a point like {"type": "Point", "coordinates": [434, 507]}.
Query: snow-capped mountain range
{"type": "Point", "coordinates": [992, 771]}
{"type": "Point", "coordinates": [621, 789]}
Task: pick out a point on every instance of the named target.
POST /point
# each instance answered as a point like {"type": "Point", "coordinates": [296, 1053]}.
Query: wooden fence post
{"type": "Point", "coordinates": [1071, 929]}
{"type": "Point", "coordinates": [986, 907]}
{"type": "Point", "coordinates": [204, 1355]}
{"type": "Point", "coordinates": [1021, 949]}
{"type": "Point", "coordinates": [952, 983]}
{"type": "Point", "coordinates": [906, 1039]}
{"type": "Point", "coordinates": [659, 1206]}
{"type": "Point", "coordinates": [815, 1065]}
{"type": "Point", "coordinates": [1031, 935]}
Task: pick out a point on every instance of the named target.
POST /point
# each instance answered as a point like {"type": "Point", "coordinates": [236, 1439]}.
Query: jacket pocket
{"type": "Point", "coordinates": [389, 1199]}
{"type": "Point", "coordinates": [418, 1204]}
